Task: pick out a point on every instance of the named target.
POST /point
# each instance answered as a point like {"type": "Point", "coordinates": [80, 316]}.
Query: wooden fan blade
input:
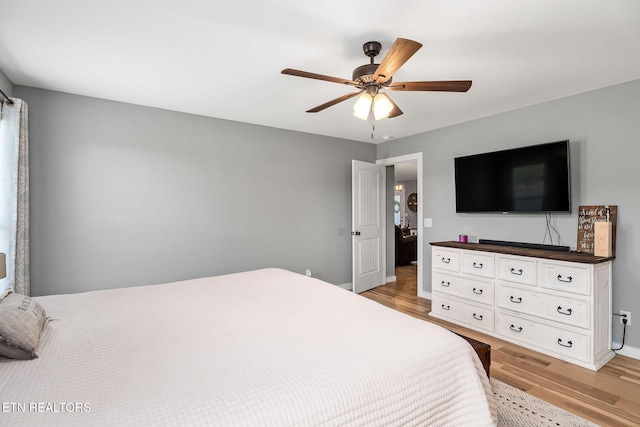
{"type": "Point", "coordinates": [400, 52]}
{"type": "Point", "coordinates": [441, 86]}
{"type": "Point", "coordinates": [298, 73]}
{"type": "Point", "coordinates": [333, 102]}
{"type": "Point", "coordinates": [396, 110]}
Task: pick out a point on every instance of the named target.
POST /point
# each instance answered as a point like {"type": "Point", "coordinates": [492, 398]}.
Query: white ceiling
{"type": "Point", "coordinates": [223, 59]}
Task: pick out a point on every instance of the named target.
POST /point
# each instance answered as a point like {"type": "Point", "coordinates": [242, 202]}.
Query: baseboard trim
{"type": "Point", "coordinates": [347, 286]}
{"type": "Point", "coordinates": [391, 279]}
{"type": "Point", "coordinates": [632, 352]}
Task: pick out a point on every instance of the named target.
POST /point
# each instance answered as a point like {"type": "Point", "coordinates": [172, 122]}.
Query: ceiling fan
{"type": "Point", "coordinates": [372, 78]}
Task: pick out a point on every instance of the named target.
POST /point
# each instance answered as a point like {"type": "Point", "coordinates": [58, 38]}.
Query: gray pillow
{"type": "Point", "coordinates": [21, 323]}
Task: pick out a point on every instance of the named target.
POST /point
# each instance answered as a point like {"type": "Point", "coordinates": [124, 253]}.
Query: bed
{"type": "Point", "coordinates": [259, 348]}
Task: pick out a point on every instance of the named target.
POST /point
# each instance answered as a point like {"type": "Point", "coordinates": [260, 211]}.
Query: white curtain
{"type": "Point", "coordinates": [14, 196]}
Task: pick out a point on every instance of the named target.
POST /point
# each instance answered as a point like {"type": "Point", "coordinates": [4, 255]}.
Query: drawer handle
{"type": "Point", "coordinates": [567, 280]}
{"type": "Point", "coordinates": [477, 291]}
{"type": "Point", "coordinates": [445, 284]}
{"type": "Point", "coordinates": [445, 260]}
{"type": "Point", "coordinates": [475, 316]}
{"type": "Point", "coordinates": [567, 312]}
{"type": "Point", "coordinates": [477, 265]}
{"type": "Point", "coordinates": [446, 307]}
{"type": "Point", "coordinates": [515, 300]}
{"type": "Point", "coordinates": [517, 272]}
{"type": "Point", "coordinates": [513, 328]}
{"type": "Point", "coordinates": [569, 344]}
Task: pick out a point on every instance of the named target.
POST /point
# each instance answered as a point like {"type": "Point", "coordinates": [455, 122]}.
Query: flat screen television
{"type": "Point", "coordinates": [527, 179]}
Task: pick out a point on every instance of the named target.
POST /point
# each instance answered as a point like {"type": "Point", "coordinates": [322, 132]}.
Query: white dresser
{"type": "Point", "coordinates": [557, 303]}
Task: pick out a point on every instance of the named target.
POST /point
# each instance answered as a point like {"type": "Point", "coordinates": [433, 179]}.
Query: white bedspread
{"type": "Point", "coordinates": [261, 348]}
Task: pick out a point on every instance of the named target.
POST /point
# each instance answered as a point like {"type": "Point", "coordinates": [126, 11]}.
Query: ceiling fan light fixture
{"type": "Point", "coordinates": [362, 107]}
{"type": "Point", "coordinates": [370, 78]}
{"type": "Point", "coordinates": [382, 106]}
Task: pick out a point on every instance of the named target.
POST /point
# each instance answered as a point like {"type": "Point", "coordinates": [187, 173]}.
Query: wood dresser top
{"type": "Point", "coordinates": [571, 256]}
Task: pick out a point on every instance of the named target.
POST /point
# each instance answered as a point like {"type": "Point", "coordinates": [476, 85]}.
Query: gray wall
{"type": "Point", "coordinates": [124, 195]}
{"type": "Point", "coordinates": [604, 131]}
{"type": "Point", "coordinates": [6, 85]}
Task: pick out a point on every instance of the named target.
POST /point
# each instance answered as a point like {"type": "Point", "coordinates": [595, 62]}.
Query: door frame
{"type": "Point", "coordinates": [417, 157]}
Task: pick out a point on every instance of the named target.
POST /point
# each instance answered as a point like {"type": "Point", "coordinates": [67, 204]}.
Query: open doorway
{"type": "Point", "coordinates": [405, 209]}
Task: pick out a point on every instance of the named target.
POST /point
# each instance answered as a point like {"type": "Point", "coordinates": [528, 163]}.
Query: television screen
{"type": "Point", "coordinates": [526, 179]}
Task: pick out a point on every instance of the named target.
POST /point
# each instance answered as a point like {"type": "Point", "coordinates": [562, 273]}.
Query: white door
{"type": "Point", "coordinates": [368, 201]}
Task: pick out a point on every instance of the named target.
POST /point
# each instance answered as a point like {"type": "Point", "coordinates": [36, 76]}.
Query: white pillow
{"type": "Point", "coordinates": [21, 323]}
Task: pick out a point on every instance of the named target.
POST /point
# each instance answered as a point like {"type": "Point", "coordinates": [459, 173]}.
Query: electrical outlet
{"type": "Point", "coordinates": [628, 317]}
{"type": "Point", "coordinates": [309, 273]}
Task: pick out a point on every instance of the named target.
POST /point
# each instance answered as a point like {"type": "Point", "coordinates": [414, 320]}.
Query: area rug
{"type": "Point", "coordinates": [519, 409]}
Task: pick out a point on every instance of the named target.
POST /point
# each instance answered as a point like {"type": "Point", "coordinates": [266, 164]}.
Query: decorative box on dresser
{"type": "Point", "coordinates": [557, 303]}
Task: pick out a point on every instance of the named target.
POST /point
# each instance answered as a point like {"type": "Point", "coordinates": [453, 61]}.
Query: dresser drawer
{"type": "Point", "coordinates": [477, 264]}
{"type": "Point", "coordinates": [536, 334]}
{"type": "Point", "coordinates": [555, 303]}
{"type": "Point", "coordinates": [569, 277]}
{"type": "Point", "coordinates": [474, 290]}
{"type": "Point", "coordinates": [571, 311]}
{"type": "Point", "coordinates": [516, 269]}
{"type": "Point", "coordinates": [458, 311]}
{"type": "Point", "coordinates": [445, 259]}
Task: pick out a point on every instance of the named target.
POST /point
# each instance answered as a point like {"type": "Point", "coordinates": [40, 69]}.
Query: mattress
{"type": "Point", "coordinates": [260, 348]}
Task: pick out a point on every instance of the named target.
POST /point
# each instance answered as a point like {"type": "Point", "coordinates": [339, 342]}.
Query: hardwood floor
{"type": "Point", "coordinates": [609, 397]}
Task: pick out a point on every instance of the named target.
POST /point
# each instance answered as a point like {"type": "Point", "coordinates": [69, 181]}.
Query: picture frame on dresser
{"type": "Point", "coordinates": [557, 303]}
{"type": "Point", "coordinates": [589, 217]}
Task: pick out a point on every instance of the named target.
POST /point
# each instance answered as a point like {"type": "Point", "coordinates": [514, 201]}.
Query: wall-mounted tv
{"type": "Point", "coordinates": [527, 179]}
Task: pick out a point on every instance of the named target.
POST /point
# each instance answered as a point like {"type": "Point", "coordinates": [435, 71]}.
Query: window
{"type": "Point", "coordinates": [8, 158]}
{"type": "Point", "coordinates": [398, 207]}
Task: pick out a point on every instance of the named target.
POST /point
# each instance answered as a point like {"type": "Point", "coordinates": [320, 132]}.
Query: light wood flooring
{"type": "Point", "coordinates": [609, 397]}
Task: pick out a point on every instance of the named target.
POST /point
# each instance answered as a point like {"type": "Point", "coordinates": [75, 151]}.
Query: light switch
{"type": "Point", "coordinates": [428, 222]}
